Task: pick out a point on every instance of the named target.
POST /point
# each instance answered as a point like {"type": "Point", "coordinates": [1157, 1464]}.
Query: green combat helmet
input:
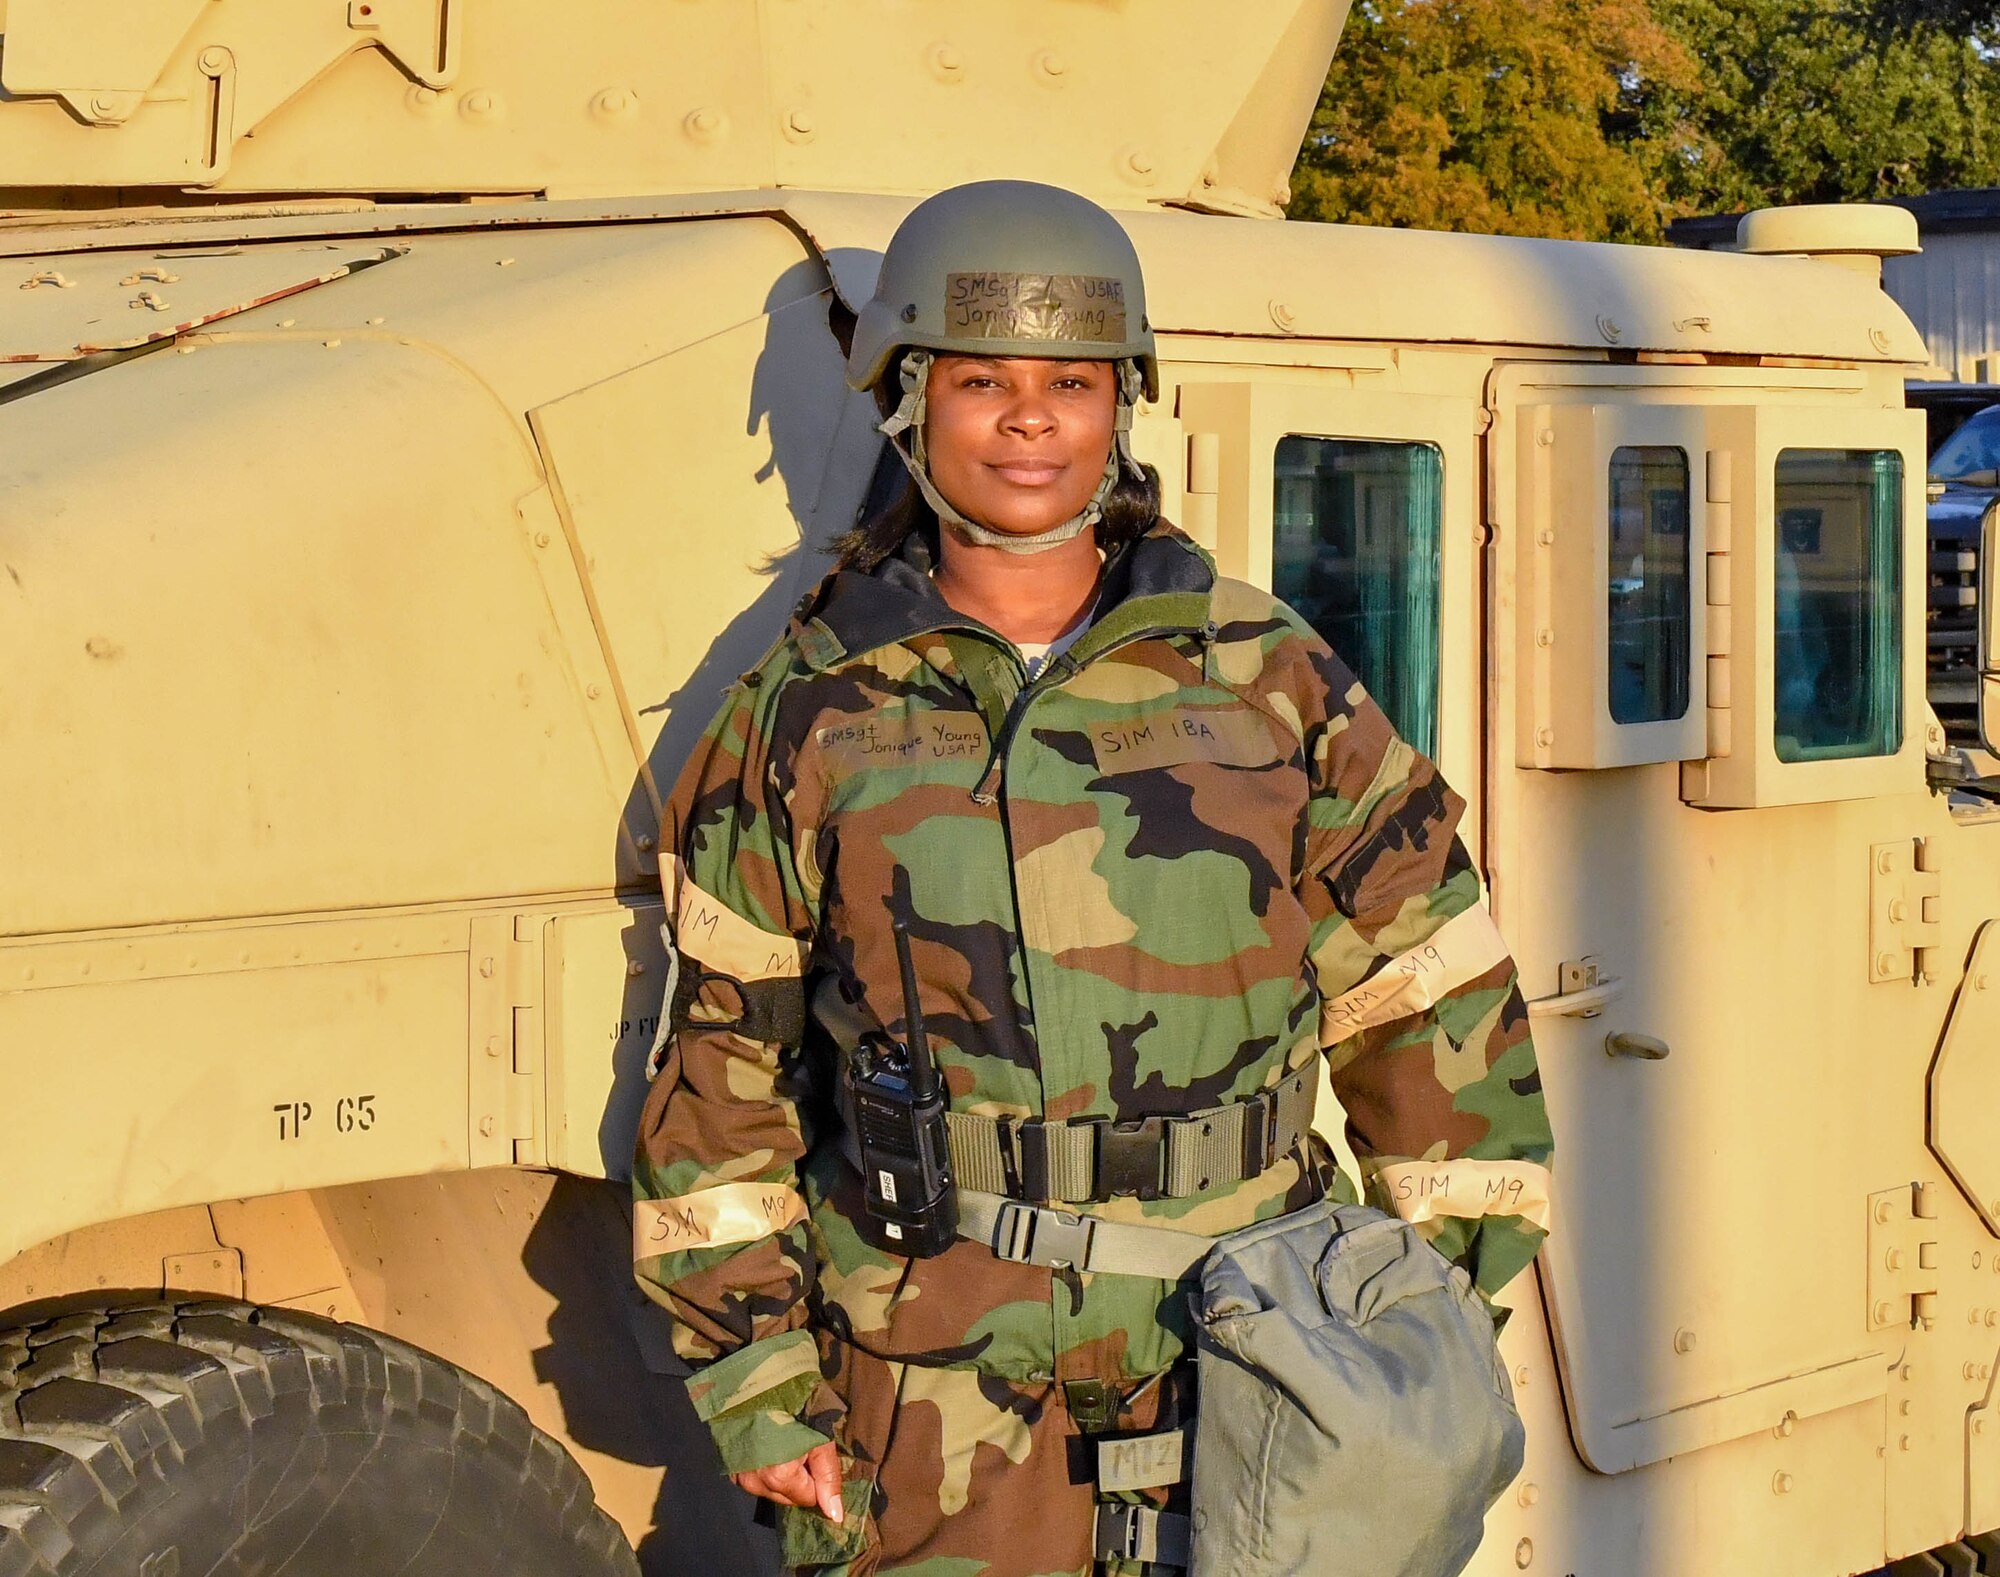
{"type": "Point", "coordinates": [1006, 268]}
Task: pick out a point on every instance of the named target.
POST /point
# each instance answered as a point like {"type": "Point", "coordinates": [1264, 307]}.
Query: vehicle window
{"type": "Point", "coordinates": [1650, 626]}
{"type": "Point", "coordinates": [1972, 450]}
{"type": "Point", "coordinates": [1838, 604]}
{"type": "Point", "coordinates": [1357, 532]}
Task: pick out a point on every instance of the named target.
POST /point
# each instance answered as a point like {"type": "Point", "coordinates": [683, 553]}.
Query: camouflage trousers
{"type": "Point", "coordinates": [962, 1474]}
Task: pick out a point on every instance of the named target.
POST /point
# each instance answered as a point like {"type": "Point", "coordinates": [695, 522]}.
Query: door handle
{"type": "Point", "coordinates": [1587, 1002]}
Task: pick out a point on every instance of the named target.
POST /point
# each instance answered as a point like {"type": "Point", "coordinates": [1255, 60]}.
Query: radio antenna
{"type": "Point", "coordinates": [923, 1072]}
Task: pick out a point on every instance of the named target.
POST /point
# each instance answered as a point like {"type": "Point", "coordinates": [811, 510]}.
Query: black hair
{"type": "Point", "coordinates": [894, 507]}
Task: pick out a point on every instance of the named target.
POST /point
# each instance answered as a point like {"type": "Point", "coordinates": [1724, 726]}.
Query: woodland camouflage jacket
{"type": "Point", "coordinates": [1187, 858]}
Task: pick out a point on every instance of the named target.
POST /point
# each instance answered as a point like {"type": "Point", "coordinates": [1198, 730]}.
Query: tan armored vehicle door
{"type": "Point", "coordinates": [1697, 601]}
{"type": "Point", "coordinates": [694, 528]}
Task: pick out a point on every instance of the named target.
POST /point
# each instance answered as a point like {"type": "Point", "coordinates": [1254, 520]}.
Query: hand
{"type": "Point", "coordinates": [810, 1480]}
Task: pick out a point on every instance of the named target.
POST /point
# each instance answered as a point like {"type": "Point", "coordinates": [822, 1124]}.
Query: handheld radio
{"type": "Point", "coordinates": [899, 1106]}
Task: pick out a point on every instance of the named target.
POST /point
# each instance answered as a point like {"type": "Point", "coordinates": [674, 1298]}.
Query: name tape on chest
{"type": "Point", "coordinates": [714, 1218]}
{"type": "Point", "coordinates": [1466, 1189]}
{"type": "Point", "coordinates": [723, 942]}
{"type": "Point", "coordinates": [1461, 950]}
{"type": "Point", "coordinates": [902, 741]}
{"type": "Point", "coordinates": [1180, 735]}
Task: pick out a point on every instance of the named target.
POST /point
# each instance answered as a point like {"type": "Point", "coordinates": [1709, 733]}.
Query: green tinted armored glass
{"type": "Point", "coordinates": [1357, 532]}
{"type": "Point", "coordinates": [1648, 614]}
{"type": "Point", "coordinates": [1837, 604]}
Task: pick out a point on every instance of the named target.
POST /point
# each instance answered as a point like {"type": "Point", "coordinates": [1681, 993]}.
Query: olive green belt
{"type": "Point", "coordinates": [1086, 1160]}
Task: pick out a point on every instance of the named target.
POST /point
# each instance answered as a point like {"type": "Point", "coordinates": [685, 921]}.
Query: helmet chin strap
{"type": "Point", "coordinates": [908, 419]}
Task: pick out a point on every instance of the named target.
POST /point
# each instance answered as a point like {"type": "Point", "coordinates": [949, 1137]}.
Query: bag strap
{"type": "Point", "coordinates": [1036, 1235]}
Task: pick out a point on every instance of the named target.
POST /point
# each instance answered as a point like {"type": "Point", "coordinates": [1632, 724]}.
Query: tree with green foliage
{"type": "Point", "coordinates": [1603, 119]}
{"type": "Point", "coordinates": [1515, 116]}
{"type": "Point", "coordinates": [1816, 102]}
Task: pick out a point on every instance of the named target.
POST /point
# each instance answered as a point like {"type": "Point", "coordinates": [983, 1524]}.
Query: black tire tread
{"type": "Point", "coordinates": [98, 1409]}
{"type": "Point", "coordinates": [1958, 1559]}
{"type": "Point", "coordinates": [1977, 1553]}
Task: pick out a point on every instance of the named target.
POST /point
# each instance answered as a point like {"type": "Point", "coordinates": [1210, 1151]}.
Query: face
{"type": "Point", "coordinates": [1019, 444]}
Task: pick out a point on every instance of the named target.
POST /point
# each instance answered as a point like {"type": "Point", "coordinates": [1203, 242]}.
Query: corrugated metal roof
{"type": "Point", "coordinates": [1936, 212]}
{"type": "Point", "coordinates": [1952, 293]}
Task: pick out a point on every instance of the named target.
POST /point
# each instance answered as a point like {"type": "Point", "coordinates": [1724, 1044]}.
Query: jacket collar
{"type": "Point", "coordinates": [1162, 581]}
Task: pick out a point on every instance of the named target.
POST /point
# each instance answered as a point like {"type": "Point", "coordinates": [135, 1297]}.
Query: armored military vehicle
{"type": "Point", "coordinates": [413, 412]}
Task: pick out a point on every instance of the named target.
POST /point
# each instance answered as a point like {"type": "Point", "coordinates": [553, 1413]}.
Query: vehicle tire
{"type": "Point", "coordinates": [214, 1439]}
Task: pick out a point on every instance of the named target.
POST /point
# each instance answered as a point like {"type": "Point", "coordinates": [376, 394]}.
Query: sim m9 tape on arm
{"type": "Point", "coordinates": [1462, 949]}
{"type": "Point", "coordinates": [707, 929]}
{"type": "Point", "coordinates": [714, 1217]}
{"type": "Point", "coordinates": [1420, 1190]}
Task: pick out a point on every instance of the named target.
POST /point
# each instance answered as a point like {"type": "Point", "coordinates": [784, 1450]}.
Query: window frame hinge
{"type": "Point", "coordinates": [1902, 1256]}
{"type": "Point", "coordinates": [1905, 910]}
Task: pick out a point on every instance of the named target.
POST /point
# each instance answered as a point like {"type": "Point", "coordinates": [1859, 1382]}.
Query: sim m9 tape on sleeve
{"type": "Point", "coordinates": [714, 1218]}
{"type": "Point", "coordinates": [1466, 1188]}
{"type": "Point", "coordinates": [1461, 950]}
{"type": "Point", "coordinates": [707, 929]}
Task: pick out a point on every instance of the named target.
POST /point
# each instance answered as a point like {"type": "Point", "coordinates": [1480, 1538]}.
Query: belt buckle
{"type": "Point", "coordinates": [1143, 1533]}
{"type": "Point", "coordinates": [1260, 1133]}
{"type": "Point", "coordinates": [1129, 1156]}
{"type": "Point", "coordinates": [1034, 1235]}
{"type": "Point", "coordinates": [1127, 1533]}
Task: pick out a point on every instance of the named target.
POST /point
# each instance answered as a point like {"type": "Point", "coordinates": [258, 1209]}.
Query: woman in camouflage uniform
{"type": "Point", "coordinates": [1155, 850]}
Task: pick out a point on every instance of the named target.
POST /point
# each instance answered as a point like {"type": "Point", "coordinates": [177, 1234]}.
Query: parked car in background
{"type": "Point", "coordinates": [1947, 406]}
{"type": "Point", "coordinates": [1964, 473]}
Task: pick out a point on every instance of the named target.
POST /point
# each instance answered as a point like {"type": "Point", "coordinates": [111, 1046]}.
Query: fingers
{"type": "Point", "coordinates": [787, 1483]}
{"type": "Point", "coordinates": [810, 1480]}
{"type": "Point", "coordinates": [823, 1463]}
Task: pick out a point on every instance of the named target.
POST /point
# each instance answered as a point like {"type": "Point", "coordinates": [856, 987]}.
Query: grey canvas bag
{"type": "Point", "coordinates": [1354, 1417]}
